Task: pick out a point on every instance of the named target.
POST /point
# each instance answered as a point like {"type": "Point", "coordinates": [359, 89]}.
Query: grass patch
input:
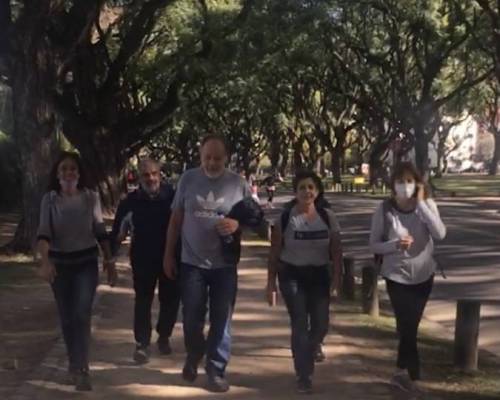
{"type": "Point", "coordinates": [437, 358]}
{"type": "Point", "coordinates": [470, 184]}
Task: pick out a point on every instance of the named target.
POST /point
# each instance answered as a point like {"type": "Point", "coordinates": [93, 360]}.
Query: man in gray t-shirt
{"type": "Point", "coordinates": [203, 198]}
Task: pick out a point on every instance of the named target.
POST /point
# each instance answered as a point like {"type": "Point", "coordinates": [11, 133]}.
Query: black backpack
{"type": "Point", "coordinates": [386, 208]}
{"type": "Point", "coordinates": [321, 207]}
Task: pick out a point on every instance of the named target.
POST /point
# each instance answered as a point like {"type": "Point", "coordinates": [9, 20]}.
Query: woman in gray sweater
{"type": "Point", "coordinates": [403, 231]}
{"type": "Point", "coordinates": [70, 226]}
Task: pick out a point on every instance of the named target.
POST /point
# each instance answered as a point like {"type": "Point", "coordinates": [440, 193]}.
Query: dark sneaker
{"type": "Point", "coordinates": [82, 381]}
{"type": "Point", "coordinates": [319, 356]}
{"type": "Point", "coordinates": [402, 381]}
{"type": "Point", "coordinates": [217, 384]}
{"type": "Point", "coordinates": [141, 354]}
{"type": "Point", "coordinates": [304, 385]}
{"type": "Point", "coordinates": [164, 346]}
{"type": "Point", "coordinates": [189, 372]}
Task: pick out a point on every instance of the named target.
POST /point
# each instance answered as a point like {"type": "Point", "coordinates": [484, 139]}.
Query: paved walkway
{"type": "Point", "coordinates": [358, 365]}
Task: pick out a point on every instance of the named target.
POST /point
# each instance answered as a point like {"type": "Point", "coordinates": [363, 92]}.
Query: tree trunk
{"type": "Point", "coordinates": [493, 169]}
{"type": "Point", "coordinates": [34, 134]}
{"type": "Point", "coordinates": [421, 151]}
{"type": "Point", "coordinates": [32, 69]}
{"type": "Point", "coordinates": [104, 162]}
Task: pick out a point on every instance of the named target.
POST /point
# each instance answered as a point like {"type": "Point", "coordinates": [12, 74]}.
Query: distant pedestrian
{"type": "Point", "coordinates": [403, 231]}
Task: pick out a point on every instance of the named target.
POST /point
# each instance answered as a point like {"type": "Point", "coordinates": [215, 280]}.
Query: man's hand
{"type": "Point", "coordinates": [226, 226]}
{"type": "Point", "coordinates": [109, 266]}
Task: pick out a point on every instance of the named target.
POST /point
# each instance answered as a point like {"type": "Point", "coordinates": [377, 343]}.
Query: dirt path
{"type": "Point", "coordinates": [28, 320]}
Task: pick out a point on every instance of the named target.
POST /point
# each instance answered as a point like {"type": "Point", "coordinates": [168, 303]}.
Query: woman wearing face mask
{"type": "Point", "coordinates": [402, 231]}
{"type": "Point", "coordinates": [306, 256]}
{"type": "Point", "coordinates": [71, 223]}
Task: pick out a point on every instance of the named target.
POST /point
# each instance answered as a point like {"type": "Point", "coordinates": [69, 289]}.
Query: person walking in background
{"type": "Point", "coordinates": [270, 184]}
{"type": "Point", "coordinates": [145, 214]}
{"type": "Point", "coordinates": [205, 214]}
{"type": "Point", "coordinates": [71, 225]}
{"type": "Point", "coordinates": [403, 231]}
{"type": "Point", "coordinates": [306, 256]}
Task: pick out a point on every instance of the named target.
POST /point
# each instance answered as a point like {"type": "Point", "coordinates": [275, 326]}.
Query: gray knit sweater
{"type": "Point", "coordinates": [71, 223]}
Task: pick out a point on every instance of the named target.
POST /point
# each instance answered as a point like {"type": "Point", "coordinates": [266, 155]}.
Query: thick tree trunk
{"type": "Point", "coordinates": [34, 134]}
{"type": "Point", "coordinates": [421, 151]}
{"type": "Point", "coordinates": [493, 169]}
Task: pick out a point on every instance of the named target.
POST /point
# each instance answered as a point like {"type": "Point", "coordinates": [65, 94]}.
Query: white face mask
{"type": "Point", "coordinates": [68, 185]}
{"type": "Point", "coordinates": [404, 190]}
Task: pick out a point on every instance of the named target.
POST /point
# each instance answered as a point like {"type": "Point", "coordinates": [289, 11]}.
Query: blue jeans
{"type": "Point", "coordinates": [217, 289]}
{"type": "Point", "coordinates": [74, 289]}
{"type": "Point", "coordinates": [306, 291]}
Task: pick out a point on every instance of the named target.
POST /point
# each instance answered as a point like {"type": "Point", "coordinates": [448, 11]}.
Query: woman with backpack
{"type": "Point", "coordinates": [305, 256]}
{"type": "Point", "coordinates": [71, 224]}
{"type": "Point", "coordinates": [403, 231]}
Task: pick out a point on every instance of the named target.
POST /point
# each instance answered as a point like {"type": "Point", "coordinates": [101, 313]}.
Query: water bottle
{"type": "Point", "coordinates": [228, 239]}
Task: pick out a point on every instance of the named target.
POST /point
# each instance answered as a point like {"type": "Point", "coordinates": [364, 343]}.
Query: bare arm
{"type": "Point", "coordinates": [273, 261]}
{"type": "Point", "coordinates": [173, 234]}
{"type": "Point", "coordinates": [336, 256]}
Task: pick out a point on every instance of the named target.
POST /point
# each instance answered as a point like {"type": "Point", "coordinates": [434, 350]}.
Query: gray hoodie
{"type": "Point", "coordinates": [424, 224]}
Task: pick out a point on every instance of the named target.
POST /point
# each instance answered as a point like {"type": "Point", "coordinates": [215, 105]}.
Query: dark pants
{"type": "Point", "coordinates": [74, 290]}
{"type": "Point", "coordinates": [270, 195]}
{"type": "Point", "coordinates": [146, 276]}
{"type": "Point", "coordinates": [408, 302]}
{"type": "Point", "coordinates": [217, 289]}
{"type": "Point", "coordinates": [306, 291]}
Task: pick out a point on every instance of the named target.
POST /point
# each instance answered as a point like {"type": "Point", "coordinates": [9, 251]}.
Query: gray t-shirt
{"type": "Point", "coordinates": [204, 201]}
{"type": "Point", "coordinates": [307, 243]}
{"type": "Point", "coordinates": [424, 224]}
{"type": "Point", "coordinates": [76, 221]}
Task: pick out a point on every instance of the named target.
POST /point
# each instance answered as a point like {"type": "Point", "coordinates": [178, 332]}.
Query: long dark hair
{"type": "Point", "coordinates": [308, 174]}
{"type": "Point", "coordinates": [54, 180]}
{"type": "Point", "coordinates": [403, 168]}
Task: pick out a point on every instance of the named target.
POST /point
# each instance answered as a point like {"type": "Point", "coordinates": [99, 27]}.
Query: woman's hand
{"type": "Point", "coordinates": [420, 192]}
{"type": "Point", "coordinates": [271, 293]}
{"type": "Point", "coordinates": [47, 271]}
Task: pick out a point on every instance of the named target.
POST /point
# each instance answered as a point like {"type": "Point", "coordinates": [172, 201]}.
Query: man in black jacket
{"type": "Point", "coordinates": [145, 214]}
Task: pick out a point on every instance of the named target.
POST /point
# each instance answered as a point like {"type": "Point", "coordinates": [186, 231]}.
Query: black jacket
{"type": "Point", "coordinates": [248, 213]}
{"type": "Point", "coordinates": [148, 219]}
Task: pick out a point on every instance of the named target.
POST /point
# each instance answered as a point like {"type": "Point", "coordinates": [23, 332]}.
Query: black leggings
{"type": "Point", "coordinates": [408, 302]}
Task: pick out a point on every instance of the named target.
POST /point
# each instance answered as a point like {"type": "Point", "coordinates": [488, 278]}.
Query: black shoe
{"type": "Point", "coordinates": [141, 354]}
{"type": "Point", "coordinates": [164, 346]}
{"type": "Point", "coordinates": [82, 381]}
{"type": "Point", "coordinates": [304, 385]}
{"type": "Point", "coordinates": [189, 372]}
{"type": "Point", "coordinates": [217, 384]}
{"type": "Point", "coordinates": [319, 356]}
